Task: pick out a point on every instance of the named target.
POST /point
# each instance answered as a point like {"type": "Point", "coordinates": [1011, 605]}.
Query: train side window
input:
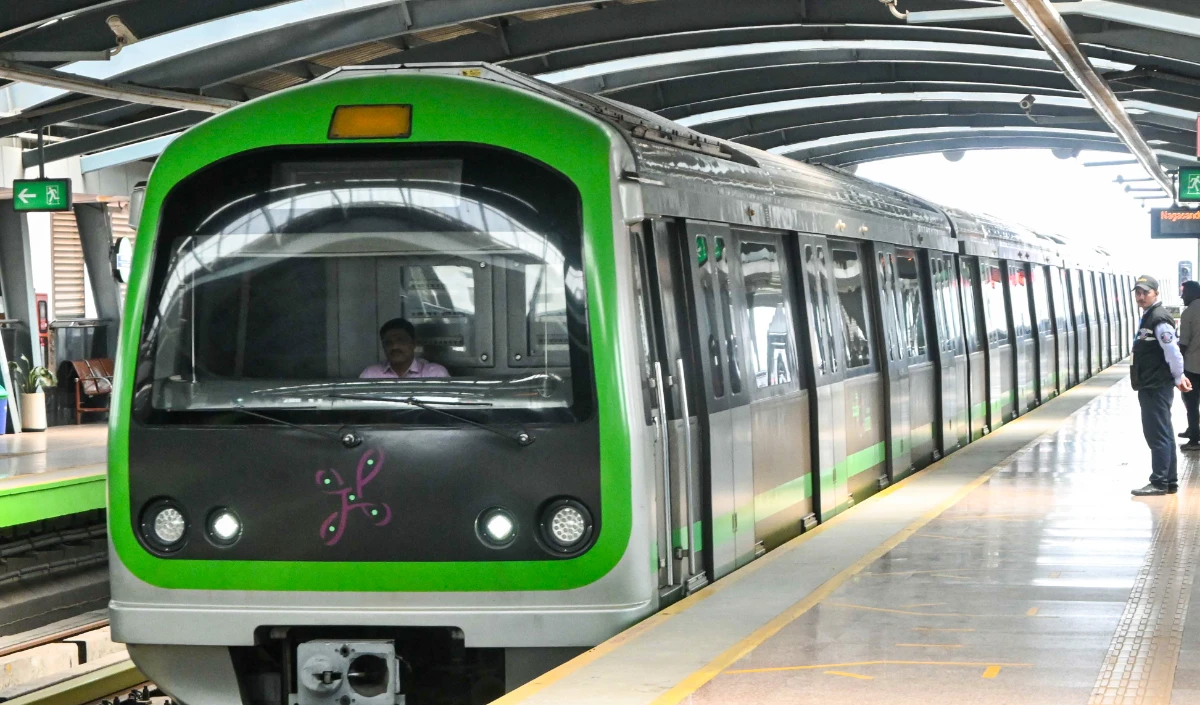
{"type": "Point", "coordinates": [966, 282]}
{"type": "Point", "coordinates": [1041, 299]}
{"type": "Point", "coordinates": [1018, 294]}
{"type": "Point", "coordinates": [856, 330]}
{"type": "Point", "coordinates": [819, 321]}
{"type": "Point", "coordinates": [993, 302]}
{"type": "Point", "coordinates": [1079, 298]}
{"type": "Point", "coordinates": [897, 309]}
{"type": "Point", "coordinates": [733, 352]}
{"type": "Point", "coordinates": [912, 321]}
{"type": "Point", "coordinates": [771, 348]}
{"type": "Point", "coordinates": [1059, 302]}
{"type": "Point", "coordinates": [952, 311]}
{"type": "Point", "coordinates": [713, 346]}
{"type": "Point", "coordinates": [826, 307]}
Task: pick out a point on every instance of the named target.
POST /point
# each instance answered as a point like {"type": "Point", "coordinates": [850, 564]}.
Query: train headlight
{"type": "Point", "coordinates": [566, 526]}
{"type": "Point", "coordinates": [169, 526]}
{"type": "Point", "coordinates": [496, 527]}
{"type": "Point", "coordinates": [224, 527]}
{"type": "Point", "coordinates": [164, 525]}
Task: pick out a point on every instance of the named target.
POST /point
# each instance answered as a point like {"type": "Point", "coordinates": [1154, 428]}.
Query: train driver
{"type": "Point", "coordinates": [399, 338]}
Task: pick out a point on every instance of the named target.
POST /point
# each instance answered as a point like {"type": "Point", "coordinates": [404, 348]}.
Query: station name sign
{"type": "Point", "coordinates": [1170, 223]}
{"type": "Point", "coordinates": [42, 194]}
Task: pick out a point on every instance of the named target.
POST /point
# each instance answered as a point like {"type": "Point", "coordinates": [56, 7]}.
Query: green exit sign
{"type": "Point", "coordinates": [1189, 183]}
{"type": "Point", "coordinates": [42, 194]}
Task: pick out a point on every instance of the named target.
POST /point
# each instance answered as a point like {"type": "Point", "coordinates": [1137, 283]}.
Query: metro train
{"type": "Point", "coordinates": [667, 354]}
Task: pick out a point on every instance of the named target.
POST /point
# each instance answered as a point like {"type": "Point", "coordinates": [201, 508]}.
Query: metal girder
{"type": "Point", "coordinates": [111, 89]}
{"type": "Point", "coordinates": [904, 149]}
{"type": "Point", "coordinates": [1048, 27]}
{"type": "Point", "coordinates": [132, 132]}
{"type": "Point", "coordinates": [1106, 10]}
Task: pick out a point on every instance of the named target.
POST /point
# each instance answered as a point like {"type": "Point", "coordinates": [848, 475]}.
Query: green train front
{"type": "Point", "coordinates": [264, 497]}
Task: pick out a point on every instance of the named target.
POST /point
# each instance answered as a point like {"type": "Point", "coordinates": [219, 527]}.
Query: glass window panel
{"type": "Point", "coordinates": [966, 283]}
{"type": "Point", "coordinates": [848, 277]}
{"type": "Point", "coordinates": [820, 321]}
{"type": "Point", "coordinates": [274, 272]}
{"type": "Point", "coordinates": [732, 352]}
{"type": "Point", "coordinates": [912, 319]}
{"type": "Point", "coordinates": [771, 348]}
{"type": "Point", "coordinates": [713, 345]}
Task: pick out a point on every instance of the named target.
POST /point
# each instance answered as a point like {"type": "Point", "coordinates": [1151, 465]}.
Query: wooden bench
{"type": "Point", "coordinates": [93, 381]}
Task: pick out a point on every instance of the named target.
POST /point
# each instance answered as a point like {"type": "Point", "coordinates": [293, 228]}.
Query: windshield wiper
{"type": "Point", "coordinates": [521, 437]}
{"type": "Point", "coordinates": [348, 437]}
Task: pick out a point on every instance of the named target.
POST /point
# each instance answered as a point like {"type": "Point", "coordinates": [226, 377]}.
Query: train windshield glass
{"type": "Point", "coordinates": [313, 278]}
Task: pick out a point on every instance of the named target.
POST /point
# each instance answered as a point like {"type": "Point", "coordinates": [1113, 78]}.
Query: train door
{"type": "Point", "coordinates": [863, 421]}
{"type": "Point", "coordinates": [893, 363]}
{"type": "Point", "coordinates": [976, 347]}
{"type": "Point", "coordinates": [783, 500]}
{"type": "Point", "coordinates": [1095, 325]}
{"type": "Point", "coordinates": [951, 353]}
{"type": "Point", "coordinates": [1044, 333]}
{"type": "Point", "coordinates": [1118, 307]}
{"type": "Point", "coordinates": [1097, 301]}
{"type": "Point", "coordinates": [1064, 328]}
{"type": "Point", "coordinates": [729, 465]}
{"type": "Point", "coordinates": [828, 386]}
{"type": "Point", "coordinates": [1024, 354]}
{"type": "Point", "coordinates": [1079, 312]}
{"type": "Point", "coordinates": [1115, 332]}
{"type": "Point", "coordinates": [681, 396]}
{"type": "Point", "coordinates": [911, 296]}
{"type": "Point", "coordinates": [1001, 370]}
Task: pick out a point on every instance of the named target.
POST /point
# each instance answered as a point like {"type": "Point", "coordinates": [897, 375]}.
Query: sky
{"type": "Point", "coordinates": [1042, 192]}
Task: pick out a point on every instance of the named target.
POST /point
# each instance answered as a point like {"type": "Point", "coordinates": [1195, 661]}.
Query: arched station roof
{"type": "Point", "coordinates": [832, 81]}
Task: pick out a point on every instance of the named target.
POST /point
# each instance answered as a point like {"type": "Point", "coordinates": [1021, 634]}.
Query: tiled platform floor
{"type": "Point", "coordinates": [990, 578]}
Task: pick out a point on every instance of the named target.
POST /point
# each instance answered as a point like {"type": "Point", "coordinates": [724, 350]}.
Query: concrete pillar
{"type": "Point", "coordinates": [95, 234]}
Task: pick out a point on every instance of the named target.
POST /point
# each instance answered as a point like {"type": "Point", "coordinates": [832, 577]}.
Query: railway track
{"type": "Point", "coordinates": [110, 678]}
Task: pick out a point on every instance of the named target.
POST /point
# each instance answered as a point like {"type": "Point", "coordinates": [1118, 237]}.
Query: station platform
{"type": "Point", "coordinates": [1018, 569]}
{"type": "Point", "coordinates": [50, 474]}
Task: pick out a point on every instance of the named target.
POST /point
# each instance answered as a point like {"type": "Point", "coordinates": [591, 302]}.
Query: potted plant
{"type": "Point", "coordinates": [33, 400]}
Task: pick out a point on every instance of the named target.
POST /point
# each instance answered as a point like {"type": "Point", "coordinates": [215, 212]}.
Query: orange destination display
{"type": "Point", "coordinates": [1172, 223]}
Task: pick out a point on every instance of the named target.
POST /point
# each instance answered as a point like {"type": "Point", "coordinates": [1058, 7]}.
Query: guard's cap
{"type": "Point", "coordinates": [1146, 283]}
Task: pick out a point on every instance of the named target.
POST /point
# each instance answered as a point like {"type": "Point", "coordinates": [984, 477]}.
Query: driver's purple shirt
{"type": "Point", "coordinates": [418, 368]}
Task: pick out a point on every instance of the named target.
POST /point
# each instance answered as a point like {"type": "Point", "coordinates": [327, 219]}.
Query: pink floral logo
{"type": "Point", "coordinates": [353, 497]}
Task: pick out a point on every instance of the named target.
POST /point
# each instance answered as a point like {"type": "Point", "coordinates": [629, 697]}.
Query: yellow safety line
{"type": "Point", "coordinates": [942, 629]}
{"type": "Point", "coordinates": [991, 672]}
{"type": "Point", "coordinates": [850, 675]}
{"type": "Point", "coordinates": [1032, 612]}
{"type": "Point", "coordinates": [889, 662]}
{"type": "Point", "coordinates": [734, 653]}
{"type": "Point", "coordinates": [927, 604]}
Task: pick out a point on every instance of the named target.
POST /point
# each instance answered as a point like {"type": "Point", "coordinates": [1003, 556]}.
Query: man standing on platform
{"type": "Point", "coordinates": [1156, 370]}
{"type": "Point", "coordinates": [1189, 343]}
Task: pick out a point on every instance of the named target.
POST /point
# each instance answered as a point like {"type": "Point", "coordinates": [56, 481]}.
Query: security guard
{"type": "Point", "coordinates": [1157, 369]}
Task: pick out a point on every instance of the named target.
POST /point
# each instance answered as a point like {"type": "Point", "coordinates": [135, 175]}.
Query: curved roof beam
{"type": "Point", "coordinates": [247, 42]}
{"type": "Point", "coordinates": [686, 95]}
{"type": "Point", "coordinates": [715, 120]}
{"type": "Point", "coordinates": [850, 125]}
{"type": "Point", "coordinates": [623, 73]}
{"type": "Point", "coordinates": [934, 146]}
{"type": "Point", "coordinates": [821, 149]}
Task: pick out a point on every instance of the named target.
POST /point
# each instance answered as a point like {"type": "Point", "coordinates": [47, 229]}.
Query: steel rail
{"type": "Point", "coordinates": [53, 637]}
{"type": "Point", "coordinates": [1050, 30]}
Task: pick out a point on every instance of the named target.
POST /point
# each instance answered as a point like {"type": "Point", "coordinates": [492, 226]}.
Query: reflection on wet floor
{"type": "Point", "coordinates": [1020, 593]}
{"type": "Point", "coordinates": [58, 448]}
